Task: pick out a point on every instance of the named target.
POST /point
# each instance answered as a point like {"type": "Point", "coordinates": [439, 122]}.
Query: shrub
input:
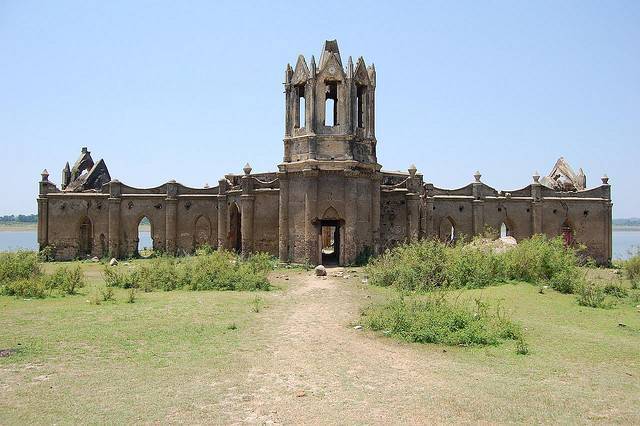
{"type": "Point", "coordinates": [615, 290]}
{"type": "Point", "coordinates": [20, 265]}
{"type": "Point", "coordinates": [131, 295]}
{"type": "Point", "coordinates": [107, 294]}
{"type": "Point", "coordinates": [592, 295]}
{"type": "Point", "coordinates": [65, 279]}
{"type": "Point", "coordinates": [157, 274]}
{"type": "Point", "coordinates": [29, 287]}
{"type": "Point", "coordinates": [632, 269]}
{"type": "Point", "coordinates": [114, 277]}
{"type": "Point", "coordinates": [471, 267]}
{"type": "Point", "coordinates": [436, 320]}
{"type": "Point", "coordinates": [417, 266]}
{"type": "Point", "coordinates": [47, 254]}
{"type": "Point", "coordinates": [224, 270]}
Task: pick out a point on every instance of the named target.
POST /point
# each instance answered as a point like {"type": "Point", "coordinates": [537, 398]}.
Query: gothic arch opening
{"type": "Point", "coordinates": [302, 107]}
{"type": "Point", "coordinates": [567, 233]}
{"type": "Point", "coordinates": [331, 104]}
{"type": "Point", "coordinates": [144, 243]}
{"type": "Point", "coordinates": [85, 246]}
{"type": "Point", "coordinates": [202, 232]}
{"type": "Point", "coordinates": [330, 237]}
{"type": "Point", "coordinates": [447, 232]}
{"type": "Point", "coordinates": [360, 105]}
{"type": "Point", "coordinates": [235, 228]}
{"type": "Point", "coordinates": [506, 229]}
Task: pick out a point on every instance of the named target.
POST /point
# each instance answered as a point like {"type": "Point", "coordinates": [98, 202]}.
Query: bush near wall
{"type": "Point", "coordinates": [430, 264]}
{"type": "Point", "coordinates": [208, 270]}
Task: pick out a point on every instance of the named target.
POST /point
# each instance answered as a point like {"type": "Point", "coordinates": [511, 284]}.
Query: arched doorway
{"type": "Point", "coordinates": [506, 229]}
{"type": "Point", "coordinates": [202, 233]}
{"type": "Point", "coordinates": [235, 228]}
{"type": "Point", "coordinates": [567, 233]}
{"type": "Point", "coordinates": [447, 231]}
{"type": "Point", "coordinates": [144, 243]}
{"type": "Point", "coordinates": [85, 246]}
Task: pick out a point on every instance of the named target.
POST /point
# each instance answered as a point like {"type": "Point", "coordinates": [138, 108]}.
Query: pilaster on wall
{"type": "Point", "coordinates": [310, 214]}
{"type": "Point", "coordinates": [413, 217]}
{"type": "Point", "coordinates": [115, 200]}
{"type": "Point", "coordinates": [427, 214]}
{"type": "Point", "coordinates": [43, 221]}
{"type": "Point", "coordinates": [283, 218]}
{"type": "Point", "coordinates": [247, 202]}
{"type": "Point", "coordinates": [222, 214]}
{"type": "Point", "coordinates": [477, 206]}
{"type": "Point", "coordinates": [536, 206]}
{"type": "Point", "coordinates": [375, 211]}
{"type": "Point", "coordinates": [171, 217]}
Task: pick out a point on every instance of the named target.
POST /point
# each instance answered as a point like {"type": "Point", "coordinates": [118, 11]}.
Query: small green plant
{"type": "Point", "coordinates": [631, 268]}
{"type": "Point", "coordinates": [522, 348]}
{"type": "Point", "coordinates": [131, 295]}
{"type": "Point", "coordinates": [256, 304]}
{"type": "Point", "coordinates": [232, 326]}
{"type": "Point", "coordinates": [107, 294]}
{"type": "Point", "coordinates": [66, 279]}
{"type": "Point", "coordinates": [616, 290]}
{"type": "Point", "coordinates": [26, 287]}
{"type": "Point", "coordinates": [437, 320]}
{"type": "Point", "coordinates": [47, 254]}
{"type": "Point", "coordinates": [592, 295]}
{"type": "Point", "coordinates": [19, 265]}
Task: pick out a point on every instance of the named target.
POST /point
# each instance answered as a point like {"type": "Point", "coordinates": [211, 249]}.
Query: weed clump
{"type": "Point", "coordinates": [592, 295]}
{"type": "Point", "coordinates": [631, 268]}
{"type": "Point", "coordinates": [65, 280]}
{"type": "Point", "coordinates": [431, 264]}
{"type": "Point", "coordinates": [436, 320]}
{"type": "Point", "coordinates": [19, 265]}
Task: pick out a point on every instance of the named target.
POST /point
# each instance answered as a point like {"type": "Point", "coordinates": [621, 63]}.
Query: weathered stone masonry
{"type": "Point", "coordinates": [329, 187]}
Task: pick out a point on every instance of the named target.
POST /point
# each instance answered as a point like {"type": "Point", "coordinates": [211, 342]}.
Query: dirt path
{"type": "Point", "coordinates": [314, 367]}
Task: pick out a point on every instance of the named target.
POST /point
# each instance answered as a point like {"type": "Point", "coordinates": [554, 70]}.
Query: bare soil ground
{"type": "Point", "coordinates": [312, 366]}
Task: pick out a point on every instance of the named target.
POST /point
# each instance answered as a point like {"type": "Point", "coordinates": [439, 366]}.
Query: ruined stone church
{"type": "Point", "coordinates": [329, 202]}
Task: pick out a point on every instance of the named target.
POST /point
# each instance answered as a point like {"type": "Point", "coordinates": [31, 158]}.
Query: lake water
{"type": "Point", "coordinates": [624, 242]}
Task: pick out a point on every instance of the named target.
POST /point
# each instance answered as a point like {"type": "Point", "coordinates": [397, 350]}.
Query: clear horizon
{"type": "Point", "coordinates": [194, 91]}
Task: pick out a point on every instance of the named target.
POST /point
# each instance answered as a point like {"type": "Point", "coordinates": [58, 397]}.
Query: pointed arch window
{"type": "Point", "coordinates": [331, 104]}
{"type": "Point", "coordinates": [360, 92]}
{"type": "Point", "coordinates": [301, 107]}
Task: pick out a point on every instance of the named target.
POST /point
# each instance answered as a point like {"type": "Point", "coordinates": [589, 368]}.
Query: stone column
{"type": "Point", "coordinates": [43, 209]}
{"type": "Point", "coordinates": [348, 237]}
{"type": "Point", "coordinates": [247, 201]}
{"type": "Point", "coordinates": [283, 218]}
{"type": "Point", "coordinates": [413, 216]}
{"type": "Point", "coordinates": [477, 206]}
{"type": "Point", "coordinates": [114, 203]}
{"type": "Point", "coordinates": [606, 189]}
{"type": "Point", "coordinates": [43, 221]}
{"type": "Point", "coordinates": [375, 211]}
{"type": "Point", "coordinates": [222, 214]}
{"type": "Point", "coordinates": [536, 205]}
{"type": "Point", "coordinates": [171, 217]}
{"type": "Point", "coordinates": [310, 214]}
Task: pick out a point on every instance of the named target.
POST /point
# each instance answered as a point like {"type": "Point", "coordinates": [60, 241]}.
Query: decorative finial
{"type": "Point", "coordinates": [172, 181]}
{"type": "Point", "coordinates": [605, 179]}
{"type": "Point", "coordinates": [247, 169]}
{"type": "Point", "coordinates": [477, 176]}
{"type": "Point", "coordinates": [84, 150]}
{"type": "Point", "coordinates": [412, 170]}
{"type": "Point", "coordinates": [313, 66]}
{"type": "Point", "coordinates": [45, 175]}
{"type": "Point", "coordinates": [206, 185]}
{"type": "Point", "coordinates": [536, 176]}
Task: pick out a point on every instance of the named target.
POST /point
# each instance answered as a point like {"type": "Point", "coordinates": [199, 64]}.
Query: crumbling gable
{"type": "Point", "coordinates": [85, 174]}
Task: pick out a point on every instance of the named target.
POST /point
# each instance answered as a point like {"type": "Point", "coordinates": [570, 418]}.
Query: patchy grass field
{"type": "Point", "coordinates": [116, 362]}
{"type": "Point", "coordinates": [292, 355]}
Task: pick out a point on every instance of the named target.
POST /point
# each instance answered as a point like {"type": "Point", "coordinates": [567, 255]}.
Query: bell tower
{"type": "Point", "coordinates": [330, 109]}
{"type": "Point", "coordinates": [329, 208]}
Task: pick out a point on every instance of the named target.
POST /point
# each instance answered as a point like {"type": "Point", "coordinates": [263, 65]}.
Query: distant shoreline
{"type": "Point", "coordinates": [31, 227]}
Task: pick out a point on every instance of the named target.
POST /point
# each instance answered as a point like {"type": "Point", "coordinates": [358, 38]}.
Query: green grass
{"type": "Point", "coordinates": [116, 362]}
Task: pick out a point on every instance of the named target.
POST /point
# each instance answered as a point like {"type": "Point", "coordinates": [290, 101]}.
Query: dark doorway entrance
{"type": "Point", "coordinates": [86, 238]}
{"type": "Point", "coordinates": [330, 236]}
{"type": "Point", "coordinates": [235, 228]}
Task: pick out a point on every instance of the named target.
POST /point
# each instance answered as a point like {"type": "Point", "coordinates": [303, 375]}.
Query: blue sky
{"type": "Point", "coordinates": [193, 90]}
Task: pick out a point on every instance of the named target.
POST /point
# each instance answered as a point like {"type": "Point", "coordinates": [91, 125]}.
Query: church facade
{"type": "Point", "coordinates": [328, 202]}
